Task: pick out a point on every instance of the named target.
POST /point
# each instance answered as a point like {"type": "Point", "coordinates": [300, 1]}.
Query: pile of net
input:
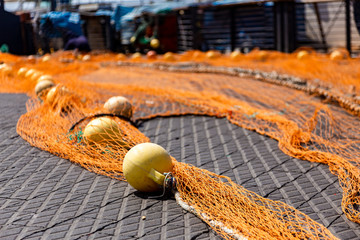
{"type": "Point", "coordinates": [306, 126]}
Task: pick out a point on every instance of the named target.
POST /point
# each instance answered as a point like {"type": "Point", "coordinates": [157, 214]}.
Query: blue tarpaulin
{"type": "Point", "coordinates": [104, 12]}
{"type": "Point", "coordinates": [69, 20]}
{"type": "Point", "coordinates": [119, 12]}
{"type": "Point", "coordinates": [153, 9]}
{"type": "Point", "coordinates": [226, 2]}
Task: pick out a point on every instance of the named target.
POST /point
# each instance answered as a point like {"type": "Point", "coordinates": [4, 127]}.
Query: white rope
{"type": "Point", "coordinates": [213, 223]}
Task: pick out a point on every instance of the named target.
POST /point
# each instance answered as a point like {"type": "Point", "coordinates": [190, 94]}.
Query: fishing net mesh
{"type": "Point", "coordinates": [306, 126]}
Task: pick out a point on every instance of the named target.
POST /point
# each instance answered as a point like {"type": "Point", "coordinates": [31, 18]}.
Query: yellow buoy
{"type": "Point", "coordinates": [169, 56]}
{"type": "Point", "coordinates": [144, 167]}
{"type": "Point", "coordinates": [104, 131]}
{"type": "Point", "coordinates": [120, 106]}
{"type": "Point", "coordinates": [54, 92]}
{"type": "Point", "coordinates": [29, 73]}
{"type": "Point", "coordinates": [21, 72]}
{"type": "Point", "coordinates": [235, 55]}
{"type": "Point", "coordinates": [197, 54]}
{"type": "Point", "coordinates": [45, 77]}
{"type": "Point", "coordinates": [31, 59]}
{"type": "Point", "coordinates": [136, 55]}
{"type": "Point", "coordinates": [337, 55]}
{"type": "Point", "coordinates": [35, 76]}
{"type": "Point", "coordinates": [5, 69]}
{"type": "Point", "coordinates": [302, 55]}
{"type": "Point", "coordinates": [42, 86]}
{"type": "Point", "coordinates": [50, 96]}
{"type": "Point", "coordinates": [262, 55]}
{"type": "Point", "coordinates": [212, 54]}
{"type": "Point", "coordinates": [86, 58]}
{"type": "Point", "coordinates": [154, 43]}
{"type": "Point", "coordinates": [46, 58]}
{"type": "Point", "coordinates": [120, 56]}
{"type": "Point", "coordinates": [132, 39]}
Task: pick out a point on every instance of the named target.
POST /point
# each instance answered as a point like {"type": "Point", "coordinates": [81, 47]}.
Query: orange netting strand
{"type": "Point", "coordinates": [305, 128]}
{"type": "Point", "coordinates": [215, 199]}
{"type": "Point", "coordinates": [241, 211]}
{"type": "Point", "coordinates": [348, 101]}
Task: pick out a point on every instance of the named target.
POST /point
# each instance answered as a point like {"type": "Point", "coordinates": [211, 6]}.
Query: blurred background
{"type": "Point", "coordinates": [37, 27]}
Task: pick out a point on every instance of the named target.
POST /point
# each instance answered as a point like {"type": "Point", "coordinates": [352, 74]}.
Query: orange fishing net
{"type": "Point", "coordinates": [306, 127]}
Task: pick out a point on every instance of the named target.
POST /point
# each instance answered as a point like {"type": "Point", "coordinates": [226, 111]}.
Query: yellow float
{"type": "Point", "coordinates": [169, 56]}
{"type": "Point", "coordinates": [22, 71]}
{"type": "Point", "coordinates": [121, 56]}
{"type": "Point", "coordinates": [46, 58]}
{"type": "Point", "coordinates": [136, 55]}
{"type": "Point", "coordinates": [144, 167]}
{"type": "Point", "coordinates": [212, 54]}
{"type": "Point", "coordinates": [104, 131]}
{"type": "Point", "coordinates": [86, 58]}
{"type": "Point", "coordinates": [29, 73]}
{"type": "Point", "coordinates": [54, 92]}
{"type": "Point", "coordinates": [42, 86]}
{"type": "Point", "coordinates": [120, 106]}
{"type": "Point", "coordinates": [154, 43]}
{"type": "Point", "coordinates": [337, 55]}
{"type": "Point", "coordinates": [302, 55]}
{"type": "Point", "coordinates": [235, 55]}
{"type": "Point", "coordinates": [45, 77]}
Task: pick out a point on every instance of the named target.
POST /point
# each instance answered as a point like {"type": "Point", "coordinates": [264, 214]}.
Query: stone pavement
{"type": "Point", "coordinates": [46, 197]}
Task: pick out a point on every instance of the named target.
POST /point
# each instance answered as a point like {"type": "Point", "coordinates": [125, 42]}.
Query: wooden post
{"type": "Point", "coordinates": [285, 26]}
{"type": "Point", "coordinates": [194, 28]}
{"type": "Point", "coordinates": [232, 29]}
{"type": "Point", "coordinates": [348, 25]}
{"type": "Point", "coordinates": [2, 7]}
